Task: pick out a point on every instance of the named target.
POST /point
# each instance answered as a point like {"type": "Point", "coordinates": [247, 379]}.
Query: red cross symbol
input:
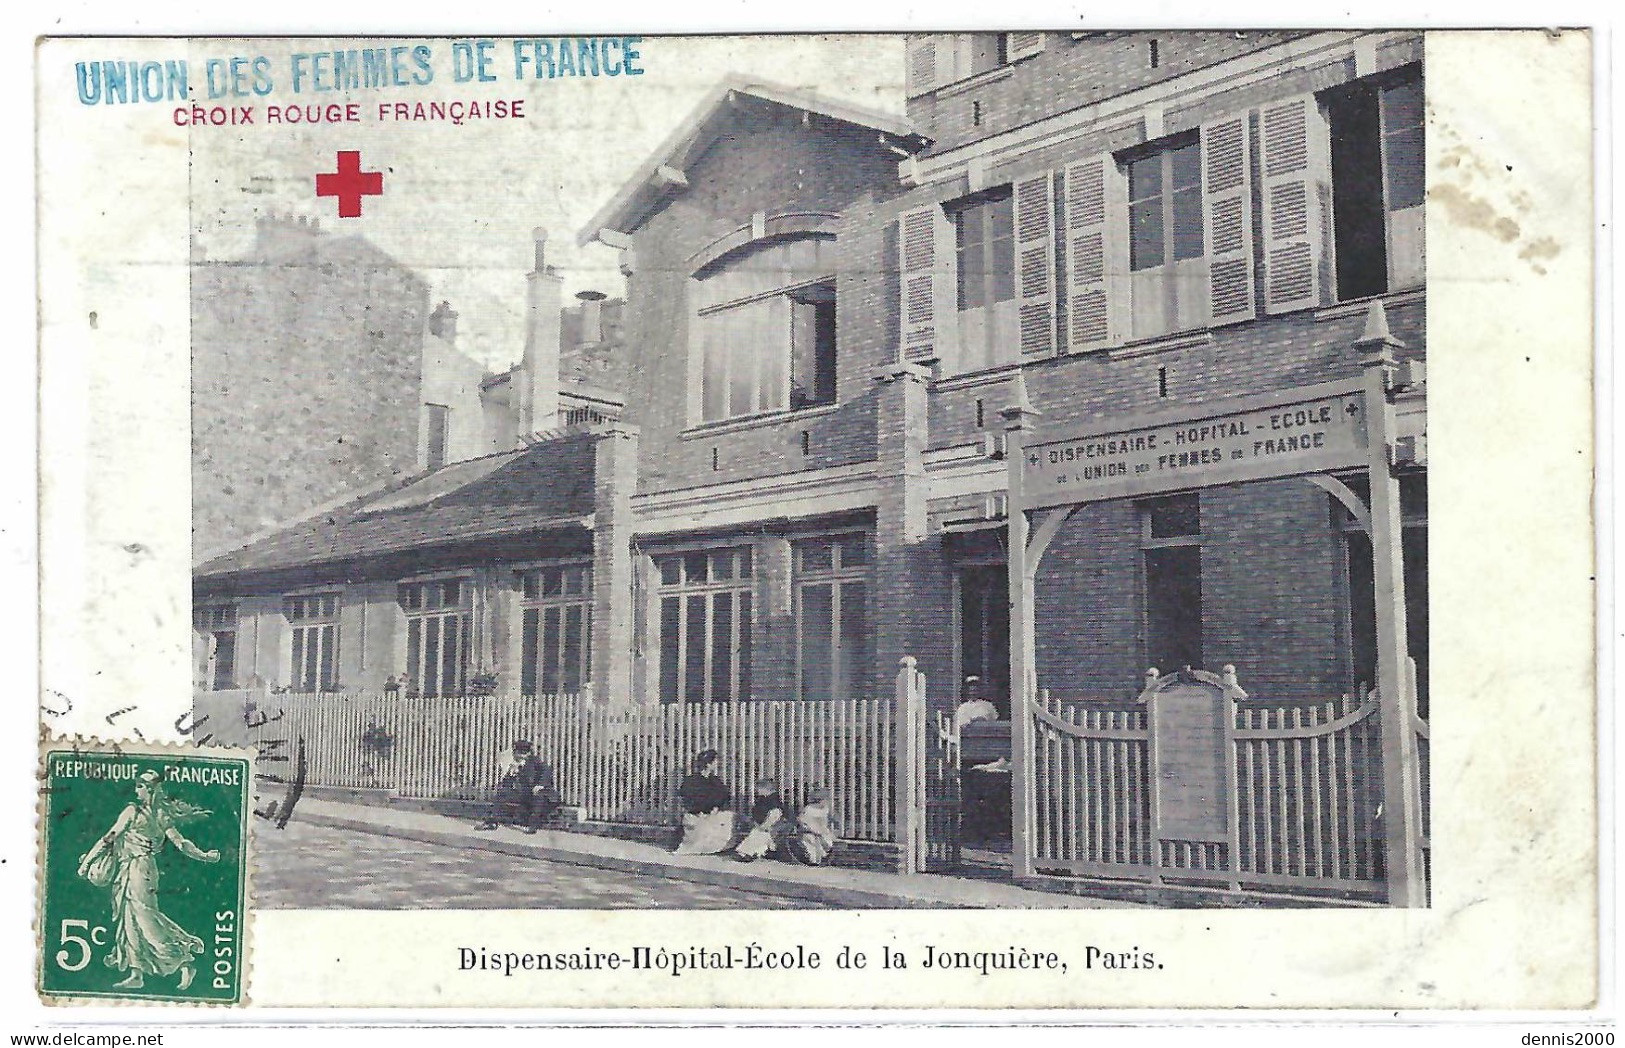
{"type": "Point", "coordinates": [349, 183]}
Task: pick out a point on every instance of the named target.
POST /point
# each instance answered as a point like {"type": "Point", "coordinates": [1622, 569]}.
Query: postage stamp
{"type": "Point", "coordinates": [978, 495]}
{"type": "Point", "coordinates": [144, 863]}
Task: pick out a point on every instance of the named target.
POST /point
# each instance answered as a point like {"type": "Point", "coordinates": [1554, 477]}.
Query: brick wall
{"type": "Point", "coordinates": [305, 380]}
{"type": "Point", "coordinates": [1070, 73]}
{"type": "Point", "coordinates": [770, 164]}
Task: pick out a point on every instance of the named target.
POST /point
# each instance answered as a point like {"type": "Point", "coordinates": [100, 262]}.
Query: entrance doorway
{"type": "Point", "coordinates": [984, 675]}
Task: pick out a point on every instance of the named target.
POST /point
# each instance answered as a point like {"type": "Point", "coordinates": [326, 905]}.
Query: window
{"type": "Point", "coordinates": [315, 643]}
{"type": "Point", "coordinates": [1377, 147]}
{"type": "Point", "coordinates": [439, 419]}
{"type": "Point", "coordinates": [765, 330]}
{"type": "Point", "coordinates": [1171, 544]}
{"type": "Point", "coordinates": [705, 625]}
{"type": "Point", "coordinates": [437, 636]}
{"type": "Point", "coordinates": [1168, 285]}
{"type": "Point", "coordinates": [832, 617]}
{"type": "Point", "coordinates": [984, 253]}
{"type": "Point", "coordinates": [556, 630]}
{"type": "Point", "coordinates": [217, 624]}
{"type": "Point", "coordinates": [938, 59]}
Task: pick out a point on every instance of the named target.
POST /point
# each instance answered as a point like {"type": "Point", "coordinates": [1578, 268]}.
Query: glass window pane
{"type": "Point", "coordinates": [816, 555]}
{"type": "Point", "coordinates": [854, 551]}
{"type": "Point", "coordinates": [744, 616]}
{"type": "Point", "coordinates": [1145, 234]}
{"type": "Point", "coordinates": [570, 668]}
{"type": "Point", "coordinates": [670, 647]}
{"type": "Point", "coordinates": [1145, 178]}
{"type": "Point", "coordinates": [671, 570]}
{"type": "Point", "coordinates": [414, 648]}
{"type": "Point", "coordinates": [714, 376]}
{"type": "Point", "coordinates": [816, 657]}
{"type": "Point", "coordinates": [1185, 167]}
{"type": "Point", "coordinates": [695, 650]}
{"type": "Point", "coordinates": [722, 648]}
{"type": "Point", "coordinates": [854, 664]}
{"type": "Point", "coordinates": [1187, 207]}
{"type": "Point", "coordinates": [451, 649]}
{"type": "Point", "coordinates": [296, 677]}
{"type": "Point", "coordinates": [1175, 516]}
{"type": "Point", "coordinates": [330, 645]}
{"type": "Point", "coordinates": [722, 565]}
{"type": "Point", "coordinates": [528, 652]}
{"type": "Point", "coordinates": [550, 650]}
{"type": "Point", "coordinates": [773, 355]}
{"type": "Point", "coordinates": [431, 655]}
{"type": "Point", "coordinates": [694, 567]}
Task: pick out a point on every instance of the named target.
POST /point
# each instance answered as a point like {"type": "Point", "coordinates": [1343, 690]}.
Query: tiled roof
{"type": "Point", "coordinates": [549, 485]}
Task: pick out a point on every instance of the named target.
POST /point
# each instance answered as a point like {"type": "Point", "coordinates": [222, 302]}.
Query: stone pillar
{"type": "Point", "coordinates": [910, 582]}
{"type": "Point", "coordinates": [615, 478]}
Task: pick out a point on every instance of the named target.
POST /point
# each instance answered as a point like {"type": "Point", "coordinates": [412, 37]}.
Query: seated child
{"type": "Point", "coordinates": [767, 820]}
{"type": "Point", "coordinates": [816, 829]}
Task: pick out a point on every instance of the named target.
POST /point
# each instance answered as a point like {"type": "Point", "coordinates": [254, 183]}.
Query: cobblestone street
{"type": "Point", "coordinates": [315, 867]}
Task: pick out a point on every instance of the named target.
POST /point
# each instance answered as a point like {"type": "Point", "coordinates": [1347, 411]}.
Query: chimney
{"type": "Point", "coordinates": [443, 322]}
{"type": "Point", "coordinates": [592, 317]}
{"type": "Point", "coordinates": [539, 393]}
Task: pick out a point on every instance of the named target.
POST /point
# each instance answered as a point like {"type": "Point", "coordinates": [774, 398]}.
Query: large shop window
{"type": "Point", "coordinates": [705, 625]}
{"type": "Point", "coordinates": [1171, 543]}
{"type": "Point", "coordinates": [556, 629]}
{"type": "Point", "coordinates": [765, 329]}
{"type": "Point", "coordinates": [1168, 286]}
{"type": "Point", "coordinates": [315, 643]}
{"type": "Point", "coordinates": [984, 253]}
{"type": "Point", "coordinates": [437, 636]}
{"type": "Point", "coordinates": [832, 617]}
{"type": "Point", "coordinates": [1378, 175]}
{"type": "Point", "coordinates": [217, 625]}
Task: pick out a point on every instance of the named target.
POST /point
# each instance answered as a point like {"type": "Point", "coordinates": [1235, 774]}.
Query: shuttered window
{"type": "Point", "coordinates": [1094, 219]}
{"type": "Point", "coordinates": [926, 286]}
{"type": "Point", "coordinates": [1166, 239]}
{"type": "Point", "coordinates": [1296, 198]}
{"type": "Point", "coordinates": [985, 280]}
{"type": "Point", "coordinates": [1228, 219]}
{"type": "Point", "coordinates": [1377, 144]}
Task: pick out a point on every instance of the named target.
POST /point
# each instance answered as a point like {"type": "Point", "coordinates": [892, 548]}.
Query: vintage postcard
{"type": "Point", "coordinates": [1006, 519]}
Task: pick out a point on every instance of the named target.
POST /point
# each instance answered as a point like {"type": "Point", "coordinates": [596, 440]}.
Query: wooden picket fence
{"type": "Point", "coordinates": [618, 763]}
{"type": "Point", "coordinates": [1307, 788]}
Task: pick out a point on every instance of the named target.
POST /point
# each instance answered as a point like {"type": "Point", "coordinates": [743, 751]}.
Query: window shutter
{"type": "Point", "coordinates": [1227, 219]}
{"type": "Point", "coordinates": [926, 281]}
{"type": "Point", "coordinates": [1034, 203]}
{"type": "Point", "coordinates": [1096, 219]}
{"type": "Point", "coordinates": [922, 65]}
{"type": "Point", "coordinates": [1020, 45]}
{"type": "Point", "coordinates": [1297, 186]}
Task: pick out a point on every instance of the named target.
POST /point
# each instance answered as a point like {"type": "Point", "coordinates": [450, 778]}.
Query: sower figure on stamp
{"type": "Point", "coordinates": [525, 794]}
{"type": "Point", "coordinates": [145, 941]}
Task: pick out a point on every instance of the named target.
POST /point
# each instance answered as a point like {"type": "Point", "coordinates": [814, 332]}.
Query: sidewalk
{"type": "Point", "coordinates": [836, 886]}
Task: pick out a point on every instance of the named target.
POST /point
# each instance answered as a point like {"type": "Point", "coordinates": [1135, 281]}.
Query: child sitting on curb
{"type": "Point", "coordinates": [816, 829]}
{"type": "Point", "coordinates": [768, 824]}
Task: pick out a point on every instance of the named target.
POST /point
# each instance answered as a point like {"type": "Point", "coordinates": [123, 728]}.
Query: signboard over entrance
{"type": "Point", "coordinates": [1296, 431]}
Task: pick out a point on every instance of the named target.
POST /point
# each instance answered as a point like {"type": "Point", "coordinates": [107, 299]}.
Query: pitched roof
{"type": "Point", "coordinates": [544, 487]}
{"type": "Point", "coordinates": [662, 173]}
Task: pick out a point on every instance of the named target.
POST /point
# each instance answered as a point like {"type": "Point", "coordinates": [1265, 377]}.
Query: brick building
{"type": "Point", "coordinates": [355, 388]}
{"type": "Point", "coordinates": [828, 308]}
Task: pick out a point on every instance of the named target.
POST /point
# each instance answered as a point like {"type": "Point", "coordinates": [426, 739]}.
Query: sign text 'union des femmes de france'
{"type": "Point", "coordinates": [1247, 442]}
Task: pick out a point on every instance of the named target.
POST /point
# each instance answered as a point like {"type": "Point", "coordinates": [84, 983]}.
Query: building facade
{"type": "Point", "coordinates": [828, 310]}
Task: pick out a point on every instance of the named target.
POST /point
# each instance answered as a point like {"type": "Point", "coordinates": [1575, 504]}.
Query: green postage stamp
{"type": "Point", "coordinates": [144, 860]}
